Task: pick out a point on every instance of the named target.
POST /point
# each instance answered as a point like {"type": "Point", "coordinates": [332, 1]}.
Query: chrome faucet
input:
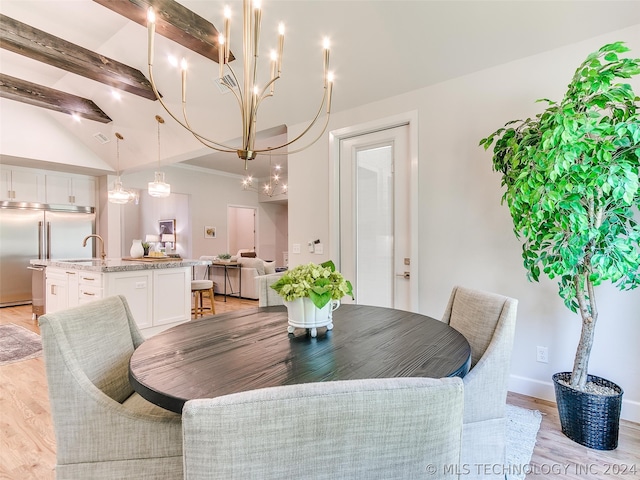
{"type": "Point", "coordinates": [84, 244]}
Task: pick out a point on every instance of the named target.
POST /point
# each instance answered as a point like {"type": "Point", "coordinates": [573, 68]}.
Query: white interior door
{"type": "Point", "coordinates": [375, 220]}
{"type": "Point", "coordinates": [241, 227]}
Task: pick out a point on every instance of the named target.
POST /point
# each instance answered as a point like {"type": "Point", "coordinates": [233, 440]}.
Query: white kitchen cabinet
{"type": "Point", "coordinates": [62, 289]}
{"type": "Point", "coordinates": [70, 190]}
{"type": "Point", "coordinates": [172, 295]}
{"type": "Point", "coordinates": [136, 286]}
{"type": "Point", "coordinates": [21, 185]}
{"type": "Point", "coordinates": [89, 286]}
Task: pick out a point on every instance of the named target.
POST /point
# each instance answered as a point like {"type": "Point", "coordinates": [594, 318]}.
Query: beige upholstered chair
{"type": "Point", "coordinates": [488, 322]}
{"type": "Point", "coordinates": [267, 296]}
{"type": "Point", "coordinates": [103, 429]}
{"type": "Point", "coordinates": [355, 429]}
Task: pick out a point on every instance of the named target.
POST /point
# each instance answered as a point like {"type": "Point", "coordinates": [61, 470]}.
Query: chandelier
{"type": "Point", "coordinates": [119, 195]}
{"type": "Point", "coordinates": [251, 95]}
{"type": "Point", "coordinates": [272, 187]}
{"type": "Point", "coordinates": [159, 188]}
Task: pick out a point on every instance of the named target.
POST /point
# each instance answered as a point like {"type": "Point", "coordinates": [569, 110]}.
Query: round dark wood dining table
{"type": "Point", "coordinates": [250, 349]}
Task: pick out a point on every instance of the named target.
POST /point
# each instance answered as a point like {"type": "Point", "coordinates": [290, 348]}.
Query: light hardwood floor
{"type": "Point", "coordinates": [27, 442]}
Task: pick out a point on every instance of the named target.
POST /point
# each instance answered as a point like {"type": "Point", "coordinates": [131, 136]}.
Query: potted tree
{"type": "Point", "coordinates": [571, 178]}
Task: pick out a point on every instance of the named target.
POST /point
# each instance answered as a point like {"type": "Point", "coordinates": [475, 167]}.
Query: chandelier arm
{"type": "Point", "coordinates": [212, 147]}
{"type": "Point", "coordinates": [298, 150]}
{"type": "Point", "coordinates": [204, 141]}
{"type": "Point", "coordinates": [237, 94]}
{"type": "Point", "coordinates": [264, 93]}
{"type": "Point", "coordinates": [311, 124]}
{"type": "Point", "coordinates": [186, 126]}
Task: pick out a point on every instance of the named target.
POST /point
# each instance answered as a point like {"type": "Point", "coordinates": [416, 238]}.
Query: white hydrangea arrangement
{"type": "Point", "coordinates": [321, 283]}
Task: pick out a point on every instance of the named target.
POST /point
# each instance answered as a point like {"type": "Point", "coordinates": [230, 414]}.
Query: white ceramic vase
{"type": "Point", "coordinates": [302, 313]}
{"type": "Point", "coordinates": [137, 250]}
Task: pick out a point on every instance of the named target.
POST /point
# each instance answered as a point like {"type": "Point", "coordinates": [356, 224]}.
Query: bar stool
{"type": "Point", "coordinates": [199, 287]}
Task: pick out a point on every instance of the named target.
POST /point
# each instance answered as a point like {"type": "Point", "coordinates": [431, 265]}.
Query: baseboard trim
{"type": "Point", "coordinates": [545, 391]}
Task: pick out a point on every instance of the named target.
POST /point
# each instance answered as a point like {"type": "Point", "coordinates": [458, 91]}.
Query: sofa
{"type": "Point", "coordinates": [250, 268]}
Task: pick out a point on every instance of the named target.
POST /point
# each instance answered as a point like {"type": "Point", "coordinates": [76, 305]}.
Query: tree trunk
{"type": "Point", "coordinates": [588, 312]}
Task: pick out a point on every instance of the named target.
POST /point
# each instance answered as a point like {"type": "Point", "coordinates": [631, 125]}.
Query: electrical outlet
{"type": "Point", "coordinates": [542, 354]}
{"type": "Point", "coordinates": [295, 248]}
{"type": "Point", "coordinates": [319, 249]}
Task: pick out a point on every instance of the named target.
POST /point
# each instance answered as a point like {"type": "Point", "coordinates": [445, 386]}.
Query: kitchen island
{"type": "Point", "coordinates": [158, 290]}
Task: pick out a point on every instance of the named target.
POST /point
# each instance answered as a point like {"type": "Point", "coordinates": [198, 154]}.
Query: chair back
{"type": "Point", "coordinates": [477, 314]}
{"type": "Point", "coordinates": [373, 429]}
{"type": "Point", "coordinates": [95, 340]}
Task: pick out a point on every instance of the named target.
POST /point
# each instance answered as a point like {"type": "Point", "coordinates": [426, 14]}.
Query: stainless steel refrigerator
{"type": "Point", "coordinates": [38, 231]}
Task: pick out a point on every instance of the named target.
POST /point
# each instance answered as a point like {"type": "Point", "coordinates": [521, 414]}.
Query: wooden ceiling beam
{"type": "Point", "coordinates": [173, 21]}
{"type": "Point", "coordinates": [45, 97]}
{"type": "Point", "coordinates": [43, 47]}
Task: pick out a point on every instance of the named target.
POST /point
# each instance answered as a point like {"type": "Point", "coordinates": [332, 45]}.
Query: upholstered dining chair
{"type": "Point", "coordinates": [354, 429]}
{"type": "Point", "coordinates": [103, 429]}
{"type": "Point", "coordinates": [487, 321]}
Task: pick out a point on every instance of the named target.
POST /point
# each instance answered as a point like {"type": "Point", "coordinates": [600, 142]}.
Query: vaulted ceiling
{"type": "Point", "coordinates": [379, 49]}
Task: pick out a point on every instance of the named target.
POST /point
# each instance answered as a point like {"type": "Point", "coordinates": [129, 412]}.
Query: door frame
{"type": "Point", "coordinates": [335, 136]}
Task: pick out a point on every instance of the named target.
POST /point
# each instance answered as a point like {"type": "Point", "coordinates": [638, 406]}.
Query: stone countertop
{"type": "Point", "coordinates": [118, 264]}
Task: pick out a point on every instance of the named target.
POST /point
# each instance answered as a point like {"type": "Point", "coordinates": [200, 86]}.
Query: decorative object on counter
{"type": "Point", "coordinates": [311, 293]}
{"type": "Point", "coordinates": [272, 188]}
{"type": "Point", "coordinates": [152, 239]}
{"type": "Point", "coordinates": [137, 250]}
{"type": "Point", "coordinates": [571, 177]}
{"type": "Point", "coordinates": [118, 194]}
{"type": "Point", "coordinates": [146, 246]}
{"type": "Point", "coordinates": [159, 188]}
{"type": "Point", "coordinates": [157, 255]}
{"type": "Point", "coordinates": [169, 240]}
{"type": "Point", "coordinates": [224, 257]}
{"type": "Point", "coordinates": [209, 232]}
{"type": "Point", "coordinates": [249, 95]}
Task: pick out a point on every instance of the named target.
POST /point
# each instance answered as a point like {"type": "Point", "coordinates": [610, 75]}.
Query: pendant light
{"type": "Point", "coordinates": [119, 195]}
{"type": "Point", "coordinates": [159, 188]}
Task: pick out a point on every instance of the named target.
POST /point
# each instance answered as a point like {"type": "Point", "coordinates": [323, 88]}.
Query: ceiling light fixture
{"type": "Point", "coordinates": [159, 188]}
{"type": "Point", "coordinates": [271, 188]}
{"type": "Point", "coordinates": [119, 194]}
{"type": "Point", "coordinates": [251, 95]}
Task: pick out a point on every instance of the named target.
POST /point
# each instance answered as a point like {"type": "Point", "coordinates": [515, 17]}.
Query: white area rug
{"type": "Point", "coordinates": [522, 429]}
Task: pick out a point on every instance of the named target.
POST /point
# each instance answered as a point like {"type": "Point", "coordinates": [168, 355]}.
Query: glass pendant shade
{"type": "Point", "coordinates": [119, 195]}
{"type": "Point", "coordinates": [159, 188]}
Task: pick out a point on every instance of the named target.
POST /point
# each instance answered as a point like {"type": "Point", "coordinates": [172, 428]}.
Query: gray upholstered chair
{"type": "Point", "coordinates": [487, 321]}
{"type": "Point", "coordinates": [364, 429]}
{"type": "Point", "coordinates": [267, 296]}
{"type": "Point", "coordinates": [103, 429]}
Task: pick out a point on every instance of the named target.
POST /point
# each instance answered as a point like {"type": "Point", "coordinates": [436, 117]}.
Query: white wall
{"type": "Point", "coordinates": [465, 235]}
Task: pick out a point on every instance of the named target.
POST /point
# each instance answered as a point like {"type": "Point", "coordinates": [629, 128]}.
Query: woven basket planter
{"type": "Point", "coordinates": [589, 419]}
